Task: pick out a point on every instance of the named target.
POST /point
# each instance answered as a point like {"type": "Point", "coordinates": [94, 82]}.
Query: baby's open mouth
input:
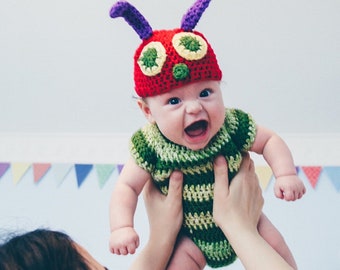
{"type": "Point", "coordinates": [196, 129]}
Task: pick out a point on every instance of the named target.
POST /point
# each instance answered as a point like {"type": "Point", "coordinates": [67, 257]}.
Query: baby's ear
{"type": "Point", "coordinates": [146, 110]}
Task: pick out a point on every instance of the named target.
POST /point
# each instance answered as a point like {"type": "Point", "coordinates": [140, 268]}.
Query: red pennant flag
{"type": "Point", "coordinates": [312, 173]}
{"type": "Point", "coordinates": [39, 170]}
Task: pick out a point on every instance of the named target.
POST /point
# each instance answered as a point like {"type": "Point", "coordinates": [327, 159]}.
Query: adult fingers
{"type": "Point", "coordinates": [175, 186]}
{"type": "Point", "coordinates": [221, 176]}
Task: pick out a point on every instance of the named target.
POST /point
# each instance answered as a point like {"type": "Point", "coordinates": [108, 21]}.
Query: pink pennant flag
{"type": "Point", "coordinates": [39, 170]}
{"type": "Point", "coordinates": [312, 173]}
{"type": "Point", "coordinates": [264, 174]}
{"type": "Point", "coordinates": [18, 170]}
{"type": "Point", "coordinates": [3, 168]}
{"type": "Point", "coordinates": [333, 174]}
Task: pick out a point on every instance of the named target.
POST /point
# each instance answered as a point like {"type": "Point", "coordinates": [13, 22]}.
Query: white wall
{"type": "Point", "coordinates": [66, 66]}
{"type": "Point", "coordinates": [66, 71]}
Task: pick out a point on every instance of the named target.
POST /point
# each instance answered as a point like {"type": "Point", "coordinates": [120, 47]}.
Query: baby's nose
{"type": "Point", "coordinates": [194, 106]}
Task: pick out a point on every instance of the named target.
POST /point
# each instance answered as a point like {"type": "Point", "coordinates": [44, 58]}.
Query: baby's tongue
{"type": "Point", "coordinates": [196, 129]}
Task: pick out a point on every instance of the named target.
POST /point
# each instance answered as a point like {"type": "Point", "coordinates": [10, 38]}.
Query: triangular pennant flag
{"type": "Point", "coordinates": [297, 168]}
{"type": "Point", "coordinates": [82, 170]}
{"type": "Point", "coordinates": [18, 170]}
{"type": "Point", "coordinates": [334, 175]}
{"type": "Point", "coordinates": [104, 171]}
{"type": "Point", "coordinates": [120, 167]}
{"type": "Point", "coordinates": [39, 170]}
{"type": "Point", "coordinates": [3, 168]}
{"type": "Point", "coordinates": [60, 171]}
{"type": "Point", "coordinates": [312, 173]}
{"type": "Point", "coordinates": [264, 174]}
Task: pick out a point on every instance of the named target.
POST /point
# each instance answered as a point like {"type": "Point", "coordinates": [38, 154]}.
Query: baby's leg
{"type": "Point", "coordinates": [274, 238]}
{"type": "Point", "coordinates": [186, 255]}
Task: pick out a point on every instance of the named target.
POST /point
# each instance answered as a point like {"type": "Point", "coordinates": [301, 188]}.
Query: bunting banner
{"type": "Point", "coordinates": [120, 167]}
{"type": "Point", "coordinates": [18, 170]}
{"type": "Point", "coordinates": [312, 173]}
{"type": "Point", "coordinates": [264, 174]}
{"type": "Point", "coordinates": [82, 170]}
{"type": "Point", "coordinates": [104, 173]}
{"type": "Point", "coordinates": [333, 174]}
{"type": "Point", "coordinates": [3, 168]}
{"type": "Point", "coordinates": [39, 170]}
{"type": "Point", "coordinates": [60, 171]}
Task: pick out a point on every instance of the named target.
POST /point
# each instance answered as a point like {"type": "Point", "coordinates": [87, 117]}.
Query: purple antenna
{"type": "Point", "coordinates": [133, 17]}
{"type": "Point", "coordinates": [193, 15]}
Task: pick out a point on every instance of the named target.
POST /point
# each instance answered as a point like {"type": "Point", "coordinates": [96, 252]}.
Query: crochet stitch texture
{"type": "Point", "coordinates": [159, 156]}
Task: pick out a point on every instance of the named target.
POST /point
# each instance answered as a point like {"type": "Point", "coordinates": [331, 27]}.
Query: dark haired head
{"type": "Point", "coordinates": [41, 250]}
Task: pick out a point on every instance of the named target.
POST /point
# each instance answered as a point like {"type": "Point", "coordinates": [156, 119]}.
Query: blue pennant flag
{"type": "Point", "coordinates": [334, 175]}
{"type": "Point", "coordinates": [82, 170]}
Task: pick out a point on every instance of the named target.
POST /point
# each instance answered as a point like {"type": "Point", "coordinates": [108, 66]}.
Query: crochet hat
{"type": "Point", "coordinates": [168, 59]}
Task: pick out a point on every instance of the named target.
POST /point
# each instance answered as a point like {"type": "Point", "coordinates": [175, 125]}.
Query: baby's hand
{"type": "Point", "coordinates": [124, 241]}
{"type": "Point", "coordinates": [289, 188]}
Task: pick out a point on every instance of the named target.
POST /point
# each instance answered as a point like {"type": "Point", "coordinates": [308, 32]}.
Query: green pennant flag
{"type": "Point", "coordinates": [104, 172]}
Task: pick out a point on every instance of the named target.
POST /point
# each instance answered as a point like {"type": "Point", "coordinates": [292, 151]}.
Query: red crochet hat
{"type": "Point", "coordinates": [168, 59]}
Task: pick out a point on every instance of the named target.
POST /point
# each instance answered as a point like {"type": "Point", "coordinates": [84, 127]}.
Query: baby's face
{"type": "Point", "coordinates": [190, 115]}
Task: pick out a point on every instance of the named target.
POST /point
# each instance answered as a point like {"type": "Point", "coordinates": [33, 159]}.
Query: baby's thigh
{"type": "Point", "coordinates": [186, 255]}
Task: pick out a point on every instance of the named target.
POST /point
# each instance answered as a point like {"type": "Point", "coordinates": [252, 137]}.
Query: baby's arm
{"type": "Point", "coordinates": [123, 238]}
{"type": "Point", "coordinates": [288, 186]}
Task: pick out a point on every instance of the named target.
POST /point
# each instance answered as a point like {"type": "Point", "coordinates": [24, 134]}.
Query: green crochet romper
{"type": "Point", "coordinates": [159, 156]}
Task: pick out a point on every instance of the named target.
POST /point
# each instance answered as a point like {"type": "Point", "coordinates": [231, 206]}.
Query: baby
{"type": "Point", "coordinates": [177, 79]}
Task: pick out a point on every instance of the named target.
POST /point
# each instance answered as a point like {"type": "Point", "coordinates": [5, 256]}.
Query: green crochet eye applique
{"type": "Point", "coordinates": [190, 46]}
{"type": "Point", "coordinates": [190, 43]}
{"type": "Point", "coordinates": [152, 58]}
{"type": "Point", "coordinates": [180, 71]}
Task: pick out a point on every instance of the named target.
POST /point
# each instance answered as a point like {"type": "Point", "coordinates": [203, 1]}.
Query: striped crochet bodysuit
{"type": "Point", "coordinates": [159, 156]}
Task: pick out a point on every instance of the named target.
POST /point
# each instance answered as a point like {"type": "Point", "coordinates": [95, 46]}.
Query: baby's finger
{"type": "Point", "coordinates": [289, 195]}
{"type": "Point", "coordinates": [278, 193]}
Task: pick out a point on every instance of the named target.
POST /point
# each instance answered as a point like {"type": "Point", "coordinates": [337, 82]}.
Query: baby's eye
{"type": "Point", "coordinates": [173, 101]}
{"type": "Point", "coordinates": [205, 93]}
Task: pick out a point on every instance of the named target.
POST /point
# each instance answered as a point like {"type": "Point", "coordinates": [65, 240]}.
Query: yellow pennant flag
{"type": "Point", "coordinates": [18, 170]}
{"type": "Point", "coordinates": [264, 173]}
